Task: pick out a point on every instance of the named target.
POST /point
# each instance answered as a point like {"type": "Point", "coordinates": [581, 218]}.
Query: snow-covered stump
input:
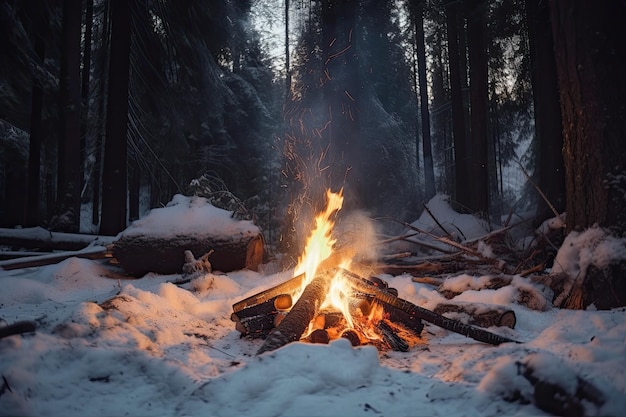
{"type": "Point", "coordinates": [157, 242]}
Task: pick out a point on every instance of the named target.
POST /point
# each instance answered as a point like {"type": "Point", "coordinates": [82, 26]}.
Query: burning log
{"type": "Point", "coordinates": [481, 315]}
{"type": "Point", "coordinates": [297, 320]}
{"type": "Point", "coordinates": [416, 312]}
{"type": "Point", "coordinates": [319, 336]}
{"type": "Point", "coordinates": [352, 336]}
{"type": "Point", "coordinates": [287, 287]}
{"type": "Point", "coordinates": [259, 319]}
{"type": "Point", "coordinates": [391, 338]}
{"type": "Point", "coordinates": [255, 316]}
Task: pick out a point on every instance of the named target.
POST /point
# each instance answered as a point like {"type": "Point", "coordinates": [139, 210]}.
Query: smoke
{"type": "Point", "coordinates": [357, 231]}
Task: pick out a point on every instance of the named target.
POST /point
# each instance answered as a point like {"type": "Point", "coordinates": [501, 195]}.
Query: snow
{"type": "Point", "coordinates": [109, 344]}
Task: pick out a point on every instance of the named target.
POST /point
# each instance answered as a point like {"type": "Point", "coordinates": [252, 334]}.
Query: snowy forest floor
{"type": "Point", "coordinates": [109, 344]}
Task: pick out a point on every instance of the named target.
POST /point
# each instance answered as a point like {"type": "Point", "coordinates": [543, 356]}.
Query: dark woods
{"type": "Point", "coordinates": [110, 108]}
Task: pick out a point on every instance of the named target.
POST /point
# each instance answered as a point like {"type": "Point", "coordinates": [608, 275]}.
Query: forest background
{"type": "Point", "coordinates": [109, 108]}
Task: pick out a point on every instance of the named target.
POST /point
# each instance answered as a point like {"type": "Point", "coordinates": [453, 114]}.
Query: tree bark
{"type": "Point", "coordinates": [36, 138]}
{"type": "Point", "coordinates": [589, 52]}
{"type": "Point", "coordinates": [478, 152]}
{"type": "Point", "coordinates": [549, 169]}
{"type": "Point", "coordinates": [69, 173]}
{"type": "Point", "coordinates": [114, 175]}
{"type": "Point", "coordinates": [429, 171]}
{"type": "Point", "coordinates": [461, 163]}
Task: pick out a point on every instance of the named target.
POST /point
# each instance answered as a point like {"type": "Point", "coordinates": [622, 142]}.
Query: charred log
{"type": "Point", "coordinates": [319, 336]}
{"type": "Point", "coordinates": [257, 320]}
{"type": "Point", "coordinates": [391, 337]}
{"type": "Point", "coordinates": [352, 336]}
{"type": "Point", "coordinates": [297, 320]}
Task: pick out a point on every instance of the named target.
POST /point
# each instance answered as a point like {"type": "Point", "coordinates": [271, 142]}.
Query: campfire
{"type": "Point", "coordinates": [327, 299]}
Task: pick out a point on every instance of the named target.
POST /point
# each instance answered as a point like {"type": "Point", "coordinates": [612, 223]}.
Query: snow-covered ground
{"type": "Point", "coordinates": [107, 344]}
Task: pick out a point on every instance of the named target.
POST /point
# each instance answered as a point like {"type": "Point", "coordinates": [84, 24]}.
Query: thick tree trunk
{"type": "Point", "coordinates": [36, 137]}
{"type": "Point", "coordinates": [114, 175]}
{"type": "Point", "coordinates": [84, 91]}
{"type": "Point", "coordinates": [590, 51]}
{"type": "Point", "coordinates": [429, 171]}
{"type": "Point", "coordinates": [477, 47]}
{"type": "Point", "coordinates": [549, 170]}
{"type": "Point", "coordinates": [69, 172]}
{"type": "Point", "coordinates": [461, 163]}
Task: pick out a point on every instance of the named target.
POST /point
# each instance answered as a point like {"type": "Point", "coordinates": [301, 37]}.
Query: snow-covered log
{"type": "Point", "coordinates": [478, 314]}
{"type": "Point", "coordinates": [157, 242]}
{"type": "Point", "coordinates": [42, 239]}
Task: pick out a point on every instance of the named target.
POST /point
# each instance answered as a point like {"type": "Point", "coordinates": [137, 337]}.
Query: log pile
{"type": "Point", "coordinates": [397, 324]}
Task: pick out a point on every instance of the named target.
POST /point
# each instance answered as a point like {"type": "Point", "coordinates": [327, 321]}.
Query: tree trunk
{"type": "Point", "coordinates": [590, 51]}
{"type": "Point", "coordinates": [114, 175]}
{"type": "Point", "coordinates": [96, 175]}
{"type": "Point", "coordinates": [429, 171]}
{"type": "Point", "coordinates": [477, 47]}
{"type": "Point", "coordinates": [287, 61]}
{"type": "Point", "coordinates": [462, 175]}
{"type": "Point", "coordinates": [36, 137]}
{"type": "Point", "coordinates": [549, 170]}
{"type": "Point", "coordinates": [134, 189]}
{"type": "Point", "coordinates": [69, 173]}
{"type": "Point", "coordinates": [85, 86]}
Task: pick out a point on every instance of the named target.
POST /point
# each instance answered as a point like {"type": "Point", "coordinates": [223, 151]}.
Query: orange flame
{"type": "Point", "coordinates": [320, 244]}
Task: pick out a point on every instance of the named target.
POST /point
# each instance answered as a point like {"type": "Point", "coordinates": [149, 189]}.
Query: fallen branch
{"type": "Point", "coordinates": [95, 252]}
{"type": "Point", "coordinates": [18, 327]}
{"type": "Point", "coordinates": [40, 238]}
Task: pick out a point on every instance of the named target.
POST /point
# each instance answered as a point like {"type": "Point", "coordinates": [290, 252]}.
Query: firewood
{"type": "Point", "coordinates": [480, 314]}
{"type": "Point", "coordinates": [391, 338]}
{"type": "Point", "coordinates": [288, 287]}
{"type": "Point", "coordinates": [353, 336]}
{"type": "Point", "coordinates": [319, 336]}
{"type": "Point", "coordinates": [257, 320]}
{"type": "Point", "coordinates": [416, 312]}
{"type": "Point", "coordinates": [410, 322]}
{"type": "Point", "coordinates": [297, 320]}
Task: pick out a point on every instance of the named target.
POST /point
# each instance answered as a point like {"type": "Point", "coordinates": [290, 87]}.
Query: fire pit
{"type": "Point", "coordinates": [326, 300]}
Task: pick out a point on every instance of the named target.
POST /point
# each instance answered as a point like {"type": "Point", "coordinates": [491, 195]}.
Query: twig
{"type": "Point", "coordinates": [432, 216]}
